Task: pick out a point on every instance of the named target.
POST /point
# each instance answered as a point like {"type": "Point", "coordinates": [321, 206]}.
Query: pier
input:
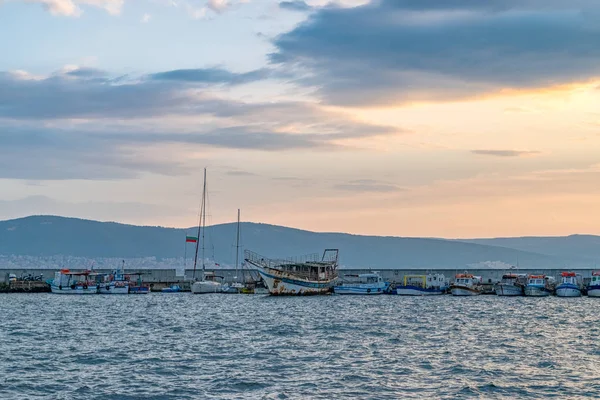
{"type": "Point", "coordinates": [162, 278]}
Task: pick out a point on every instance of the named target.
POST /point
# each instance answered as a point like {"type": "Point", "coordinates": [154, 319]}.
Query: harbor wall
{"type": "Point", "coordinates": [169, 276]}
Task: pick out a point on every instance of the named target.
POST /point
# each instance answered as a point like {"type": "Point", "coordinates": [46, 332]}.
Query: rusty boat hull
{"type": "Point", "coordinates": [281, 283]}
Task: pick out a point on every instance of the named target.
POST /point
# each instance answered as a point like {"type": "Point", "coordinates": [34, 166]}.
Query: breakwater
{"type": "Point", "coordinates": [165, 277]}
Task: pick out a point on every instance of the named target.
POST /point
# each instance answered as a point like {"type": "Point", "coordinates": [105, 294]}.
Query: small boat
{"type": "Point", "coordinates": [138, 286]}
{"type": "Point", "coordinates": [422, 285]}
{"type": "Point", "coordinates": [466, 285]}
{"type": "Point", "coordinates": [593, 289]}
{"type": "Point", "coordinates": [172, 289]}
{"type": "Point", "coordinates": [210, 284]}
{"type": "Point", "coordinates": [365, 284]}
{"type": "Point", "coordinates": [511, 285]}
{"type": "Point", "coordinates": [307, 275]}
{"type": "Point", "coordinates": [67, 282]}
{"type": "Point", "coordinates": [539, 286]}
{"type": "Point", "coordinates": [115, 283]}
{"type": "Point", "coordinates": [571, 285]}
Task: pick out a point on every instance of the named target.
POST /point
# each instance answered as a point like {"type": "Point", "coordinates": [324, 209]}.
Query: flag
{"type": "Point", "coordinates": [191, 239]}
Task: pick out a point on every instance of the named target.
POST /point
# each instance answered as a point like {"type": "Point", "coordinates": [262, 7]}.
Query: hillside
{"type": "Point", "coordinates": [49, 235]}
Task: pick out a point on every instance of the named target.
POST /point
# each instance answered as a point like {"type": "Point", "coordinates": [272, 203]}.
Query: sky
{"type": "Point", "coordinates": [431, 118]}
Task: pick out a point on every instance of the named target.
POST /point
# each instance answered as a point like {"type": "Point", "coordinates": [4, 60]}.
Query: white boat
{"type": "Point", "coordinates": [466, 285]}
{"type": "Point", "coordinates": [363, 284]}
{"type": "Point", "coordinates": [422, 285]}
{"type": "Point", "coordinates": [75, 283]}
{"type": "Point", "coordinates": [593, 289]}
{"type": "Point", "coordinates": [114, 283]}
{"type": "Point", "coordinates": [571, 285]}
{"type": "Point", "coordinates": [207, 283]}
{"type": "Point", "coordinates": [511, 285]}
{"type": "Point", "coordinates": [539, 286]}
{"type": "Point", "coordinates": [307, 275]}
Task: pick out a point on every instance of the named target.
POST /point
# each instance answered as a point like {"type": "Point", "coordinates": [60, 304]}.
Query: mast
{"type": "Point", "coordinates": [198, 234]}
{"type": "Point", "coordinates": [203, 216]}
{"type": "Point", "coordinates": [237, 245]}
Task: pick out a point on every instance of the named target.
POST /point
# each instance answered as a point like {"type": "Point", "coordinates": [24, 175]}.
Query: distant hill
{"type": "Point", "coordinates": [50, 235]}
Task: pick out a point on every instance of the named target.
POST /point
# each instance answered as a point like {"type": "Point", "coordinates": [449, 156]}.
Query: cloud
{"type": "Point", "coordinates": [240, 173]}
{"type": "Point", "coordinates": [295, 5]}
{"type": "Point", "coordinates": [71, 8]}
{"type": "Point", "coordinates": [211, 75]}
{"type": "Point", "coordinates": [146, 18]}
{"type": "Point", "coordinates": [367, 185]}
{"type": "Point", "coordinates": [505, 153]}
{"type": "Point", "coordinates": [393, 51]}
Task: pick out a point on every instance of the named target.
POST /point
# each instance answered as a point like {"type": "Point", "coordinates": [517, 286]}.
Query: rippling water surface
{"type": "Point", "coordinates": [181, 346]}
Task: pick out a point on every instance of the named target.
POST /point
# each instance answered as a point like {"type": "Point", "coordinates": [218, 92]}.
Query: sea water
{"type": "Point", "coordinates": [183, 346]}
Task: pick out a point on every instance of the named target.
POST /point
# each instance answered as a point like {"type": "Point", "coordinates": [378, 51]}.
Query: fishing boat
{"type": "Point", "coordinates": [511, 285]}
{"type": "Point", "coordinates": [365, 284]}
{"type": "Point", "coordinates": [114, 283]}
{"type": "Point", "coordinates": [571, 285]}
{"type": "Point", "coordinates": [306, 275]}
{"type": "Point", "coordinates": [539, 286]}
{"type": "Point", "coordinates": [138, 286]}
{"type": "Point", "coordinates": [422, 285]}
{"type": "Point", "coordinates": [207, 283]}
{"type": "Point", "coordinates": [466, 285]}
{"type": "Point", "coordinates": [593, 289]}
{"type": "Point", "coordinates": [172, 289]}
{"type": "Point", "coordinates": [77, 283]}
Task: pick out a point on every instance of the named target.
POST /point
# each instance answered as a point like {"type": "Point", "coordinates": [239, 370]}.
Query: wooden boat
{"type": "Point", "coordinates": [511, 285]}
{"type": "Point", "coordinates": [466, 285]}
{"type": "Point", "coordinates": [539, 286]}
{"type": "Point", "coordinates": [307, 275]}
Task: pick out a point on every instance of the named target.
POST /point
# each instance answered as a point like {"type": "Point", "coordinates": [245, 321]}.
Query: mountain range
{"type": "Point", "coordinates": [51, 235]}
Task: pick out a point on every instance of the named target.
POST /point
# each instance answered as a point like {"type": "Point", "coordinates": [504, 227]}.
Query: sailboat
{"type": "Point", "coordinates": [236, 286]}
{"type": "Point", "coordinates": [207, 283]}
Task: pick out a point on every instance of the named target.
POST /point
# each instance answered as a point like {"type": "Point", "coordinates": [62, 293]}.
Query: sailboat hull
{"type": "Point", "coordinates": [205, 287]}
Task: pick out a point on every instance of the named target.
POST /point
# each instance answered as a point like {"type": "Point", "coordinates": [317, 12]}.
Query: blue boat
{"type": "Point", "coordinates": [363, 284]}
{"type": "Point", "coordinates": [422, 285]}
{"type": "Point", "coordinates": [172, 289]}
{"type": "Point", "coordinates": [570, 285]}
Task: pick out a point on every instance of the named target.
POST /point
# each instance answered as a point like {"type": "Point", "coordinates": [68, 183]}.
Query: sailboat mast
{"type": "Point", "coordinates": [199, 225]}
{"type": "Point", "coordinates": [203, 216]}
{"type": "Point", "coordinates": [237, 245]}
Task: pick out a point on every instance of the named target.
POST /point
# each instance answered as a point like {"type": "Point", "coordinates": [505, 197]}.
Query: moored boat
{"type": "Point", "coordinates": [209, 284]}
{"type": "Point", "coordinates": [362, 284]}
{"type": "Point", "coordinates": [138, 286]}
{"type": "Point", "coordinates": [114, 283]}
{"type": "Point", "coordinates": [511, 285]}
{"type": "Point", "coordinates": [539, 286]}
{"type": "Point", "coordinates": [307, 275]}
{"type": "Point", "coordinates": [466, 285]}
{"type": "Point", "coordinates": [172, 289]}
{"type": "Point", "coordinates": [422, 285]}
{"type": "Point", "coordinates": [76, 283]}
{"type": "Point", "coordinates": [570, 285]}
{"type": "Point", "coordinates": [593, 289]}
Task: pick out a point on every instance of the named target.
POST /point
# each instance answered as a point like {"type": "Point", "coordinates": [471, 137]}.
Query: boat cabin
{"type": "Point", "coordinates": [368, 278]}
{"type": "Point", "coordinates": [536, 280]}
{"type": "Point", "coordinates": [425, 281]}
{"type": "Point", "coordinates": [466, 279]}
{"type": "Point", "coordinates": [595, 280]}
{"type": "Point", "coordinates": [570, 277]}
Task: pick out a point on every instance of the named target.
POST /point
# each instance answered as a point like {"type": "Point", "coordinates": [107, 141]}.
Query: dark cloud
{"type": "Point", "coordinates": [394, 50]}
{"type": "Point", "coordinates": [505, 153]}
{"type": "Point", "coordinates": [367, 185]}
{"type": "Point", "coordinates": [240, 173]}
{"type": "Point", "coordinates": [211, 75]}
{"type": "Point", "coordinates": [295, 5]}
